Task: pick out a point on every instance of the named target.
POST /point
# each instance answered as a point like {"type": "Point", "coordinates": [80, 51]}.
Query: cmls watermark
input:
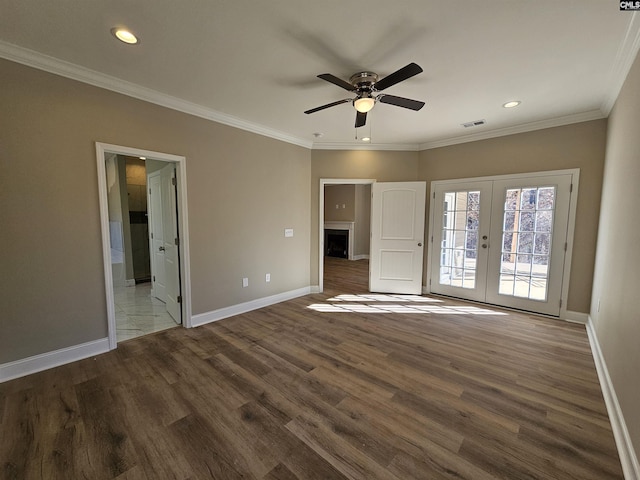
{"type": "Point", "coordinates": [630, 5]}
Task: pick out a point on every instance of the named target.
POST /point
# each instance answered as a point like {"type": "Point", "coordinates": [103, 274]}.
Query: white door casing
{"type": "Point", "coordinates": [183, 219]}
{"type": "Point", "coordinates": [397, 237]}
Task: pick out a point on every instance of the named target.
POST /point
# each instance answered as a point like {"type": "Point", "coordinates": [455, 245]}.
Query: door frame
{"type": "Point", "coordinates": [323, 182]}
{"type": "Point", "coordinates": [183, 225]}
{"type": "Point", "coordinates": [573, 203]}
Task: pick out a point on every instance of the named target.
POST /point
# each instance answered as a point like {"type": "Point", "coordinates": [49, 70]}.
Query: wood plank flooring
{"type": "Point", "coordinates": [356, 387]}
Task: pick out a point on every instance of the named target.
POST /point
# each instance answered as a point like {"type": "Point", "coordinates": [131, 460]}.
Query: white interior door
{"type": "Point", "coordinates": [156, 235]}
{"type": "Point", "coordinates": [397, 237]}
{"type": "Point", "coordinates": [171, 240]}
{"type": "Point", "coordinates": [502, 241]}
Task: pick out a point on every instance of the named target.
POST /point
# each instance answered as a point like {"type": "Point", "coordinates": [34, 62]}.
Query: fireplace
{"type": "Point", "coordinates": [336, 243]}
{"type": "Point", "coordinates": [342, 239]}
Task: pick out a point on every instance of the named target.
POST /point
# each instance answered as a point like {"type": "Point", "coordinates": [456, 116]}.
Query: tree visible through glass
{"type": "Point", "coordinates": [526, 242]}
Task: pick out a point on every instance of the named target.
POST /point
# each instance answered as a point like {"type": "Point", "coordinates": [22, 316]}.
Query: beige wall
{"type": "Point", "coordinates": [615, 308]}
{"type": "Point", "coordinates": [243, 190]}
{"type": "Point", "coordinates": [386, 166]}
{"type": "Point", "coordinates": [363, 220]}
{"type": "Point", "coordinates": [580, 145]}
{"type": "Point", "coordinates": [339, 203]}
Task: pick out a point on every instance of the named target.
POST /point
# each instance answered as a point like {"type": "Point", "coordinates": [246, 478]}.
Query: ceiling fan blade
{"type": "Point", "coordinates": [333, 104]}
{"type": "Point", "coordinates": [398, 76]}
{"type": "Point", "coordinates": [401, 102]}
{"type": "Point", "coordinates": [336, 81]}
{"type": "Point", "coordinates": [361, 119]}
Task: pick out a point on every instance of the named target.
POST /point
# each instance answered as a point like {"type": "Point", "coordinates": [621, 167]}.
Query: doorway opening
{"type": "Point", "coordinates": [345, 214]}
{"type": "Point", "coordinates": [145, 240]}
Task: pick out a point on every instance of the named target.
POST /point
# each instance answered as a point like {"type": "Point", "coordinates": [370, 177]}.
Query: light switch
{"type": "Point", "coordinates": [288, 232]}
{"type": "Point", "coordinates": [245, 282]}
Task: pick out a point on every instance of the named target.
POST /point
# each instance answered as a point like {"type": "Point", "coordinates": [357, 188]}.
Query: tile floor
{"type": "Point", "coordinates": [137, 313]}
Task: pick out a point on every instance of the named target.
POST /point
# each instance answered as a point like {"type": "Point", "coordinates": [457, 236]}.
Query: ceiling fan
{"type": "Point", "coordinates": [366, 87]}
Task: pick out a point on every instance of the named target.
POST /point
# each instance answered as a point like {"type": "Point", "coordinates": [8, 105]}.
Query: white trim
{"type": "Point", "coordinates": [323, 182]}
{"type": "Point", "coordinates": [575, 317]}
{"type": "Point", "coordinates": [523, 128]}
{"type": "Point", "coordinates": [226, 312]}
{"type": "Point", "coordinates": [56, 66]}
{"type": "Point", "coordinates": [50, 64]}
{"type": "Point", "coordinates": [360, 257]}
{"type": "Point", "coordinates": [183, 219]}
{"type": "Point", "coordinates": [626, 55]}
{"type": "Point", "coordinates": [45, 361]}
{"type": "Point", "coordinates": [399, 147]}
{"type": "Point", "coordinates": [628, 458]}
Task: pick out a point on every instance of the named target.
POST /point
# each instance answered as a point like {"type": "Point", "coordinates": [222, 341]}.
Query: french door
{"type": "Point", "coordinates": [502, 241]}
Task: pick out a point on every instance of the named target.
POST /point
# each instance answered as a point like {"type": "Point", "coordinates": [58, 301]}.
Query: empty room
{"type": "Point", "coordinates": [319, 240]}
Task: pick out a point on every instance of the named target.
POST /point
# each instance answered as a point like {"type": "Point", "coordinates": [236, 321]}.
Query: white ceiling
{"type": "Point", "coordinates": [253, 63]}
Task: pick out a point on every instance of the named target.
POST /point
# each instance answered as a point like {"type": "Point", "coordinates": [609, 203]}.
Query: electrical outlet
{"type": "Point", "coordinates": [288, 232]}
{"type": "Point", "coordinates": [245, 282]}
{"type": "Point", "coordinates": [267, 277]}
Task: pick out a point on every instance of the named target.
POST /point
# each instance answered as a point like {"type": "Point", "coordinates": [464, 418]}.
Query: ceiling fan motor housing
{"type": "Point", "coordinates": [364, 82]}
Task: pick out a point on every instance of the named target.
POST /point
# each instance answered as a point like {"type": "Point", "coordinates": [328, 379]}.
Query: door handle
{"type": "Point", "coordinates": [161, 249]}
{"type": "Point", "coordinates": [419, 244]}
{"type": "Point", "coordinates": [484, 245]}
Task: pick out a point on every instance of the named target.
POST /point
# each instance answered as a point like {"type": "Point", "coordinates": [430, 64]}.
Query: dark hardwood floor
{"type": "Point", "coordinates": [357, 387]}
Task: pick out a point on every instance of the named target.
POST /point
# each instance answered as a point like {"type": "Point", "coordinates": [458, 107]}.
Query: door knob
{"type": "Point", "coordinates": [419, 244]}
{"type": "Point", "coordinates": [484, 237]}
{"type": "Point", "coordinates": [161, 249]}
{"type": "Point", "coordinates": [484, 245]}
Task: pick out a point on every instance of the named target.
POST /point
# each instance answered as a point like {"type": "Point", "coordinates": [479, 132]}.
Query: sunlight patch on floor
{"type": "Point", "coordinates": [344, 303]}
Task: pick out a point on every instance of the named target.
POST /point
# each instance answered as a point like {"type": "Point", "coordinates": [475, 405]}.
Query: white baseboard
{"type": "Point", "coordinates": [215, 315]}
{"type": "Point", "coordinates": [314, 289]}
{"type": "Point", "coordinates": [360, 257]}
{"type": "Point", "coordinates": [130, 282]}
{"type": "Point", "coordinates": [575, 317]}
{"type": "Point", "coordinates": [45, 361]}
{"type": "Point", "coordinates": [628, 457]}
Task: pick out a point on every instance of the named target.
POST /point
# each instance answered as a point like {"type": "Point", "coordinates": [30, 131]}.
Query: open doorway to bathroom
{"type": "Point", "coordinates": [138, 250]}
{"type": "Point", "coordinates": [143, 202]}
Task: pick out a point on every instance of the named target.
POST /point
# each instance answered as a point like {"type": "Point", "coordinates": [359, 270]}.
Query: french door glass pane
{"type": "Point", "coordinates": [459, 249]}
{"type": "Point", "coordinates": [526, 242]}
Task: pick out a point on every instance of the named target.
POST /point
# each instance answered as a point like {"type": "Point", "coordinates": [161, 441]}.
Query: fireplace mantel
{"type": "Point", "coordinates": [342, 226]}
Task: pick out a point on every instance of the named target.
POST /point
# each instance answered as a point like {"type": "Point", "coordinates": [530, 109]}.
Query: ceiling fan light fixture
{"type": "Point", "coordinates": [124, 35]}
{"type": "Point", "coordinates": [364, 104]}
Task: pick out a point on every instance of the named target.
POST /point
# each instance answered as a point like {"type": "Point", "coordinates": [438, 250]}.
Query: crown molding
{"type": "Point", "coordinates": [366, 146]}
{"type": "Point", "coordinates": [56, 66]}
{"type": "Point", "coordinates": [626, 55]}
{"type": "Point", "coordinates": [523, 128]}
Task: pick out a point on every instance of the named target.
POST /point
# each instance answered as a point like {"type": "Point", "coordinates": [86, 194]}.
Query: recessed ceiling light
{"type": "Point", "coordinates": [124, 35]}
{"type": "Point", "coordinates": [513, 103]}
{"type": "Point", "coordinates": [142, 158]}
{"type": "Point", "coordinates": [366, 139]}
